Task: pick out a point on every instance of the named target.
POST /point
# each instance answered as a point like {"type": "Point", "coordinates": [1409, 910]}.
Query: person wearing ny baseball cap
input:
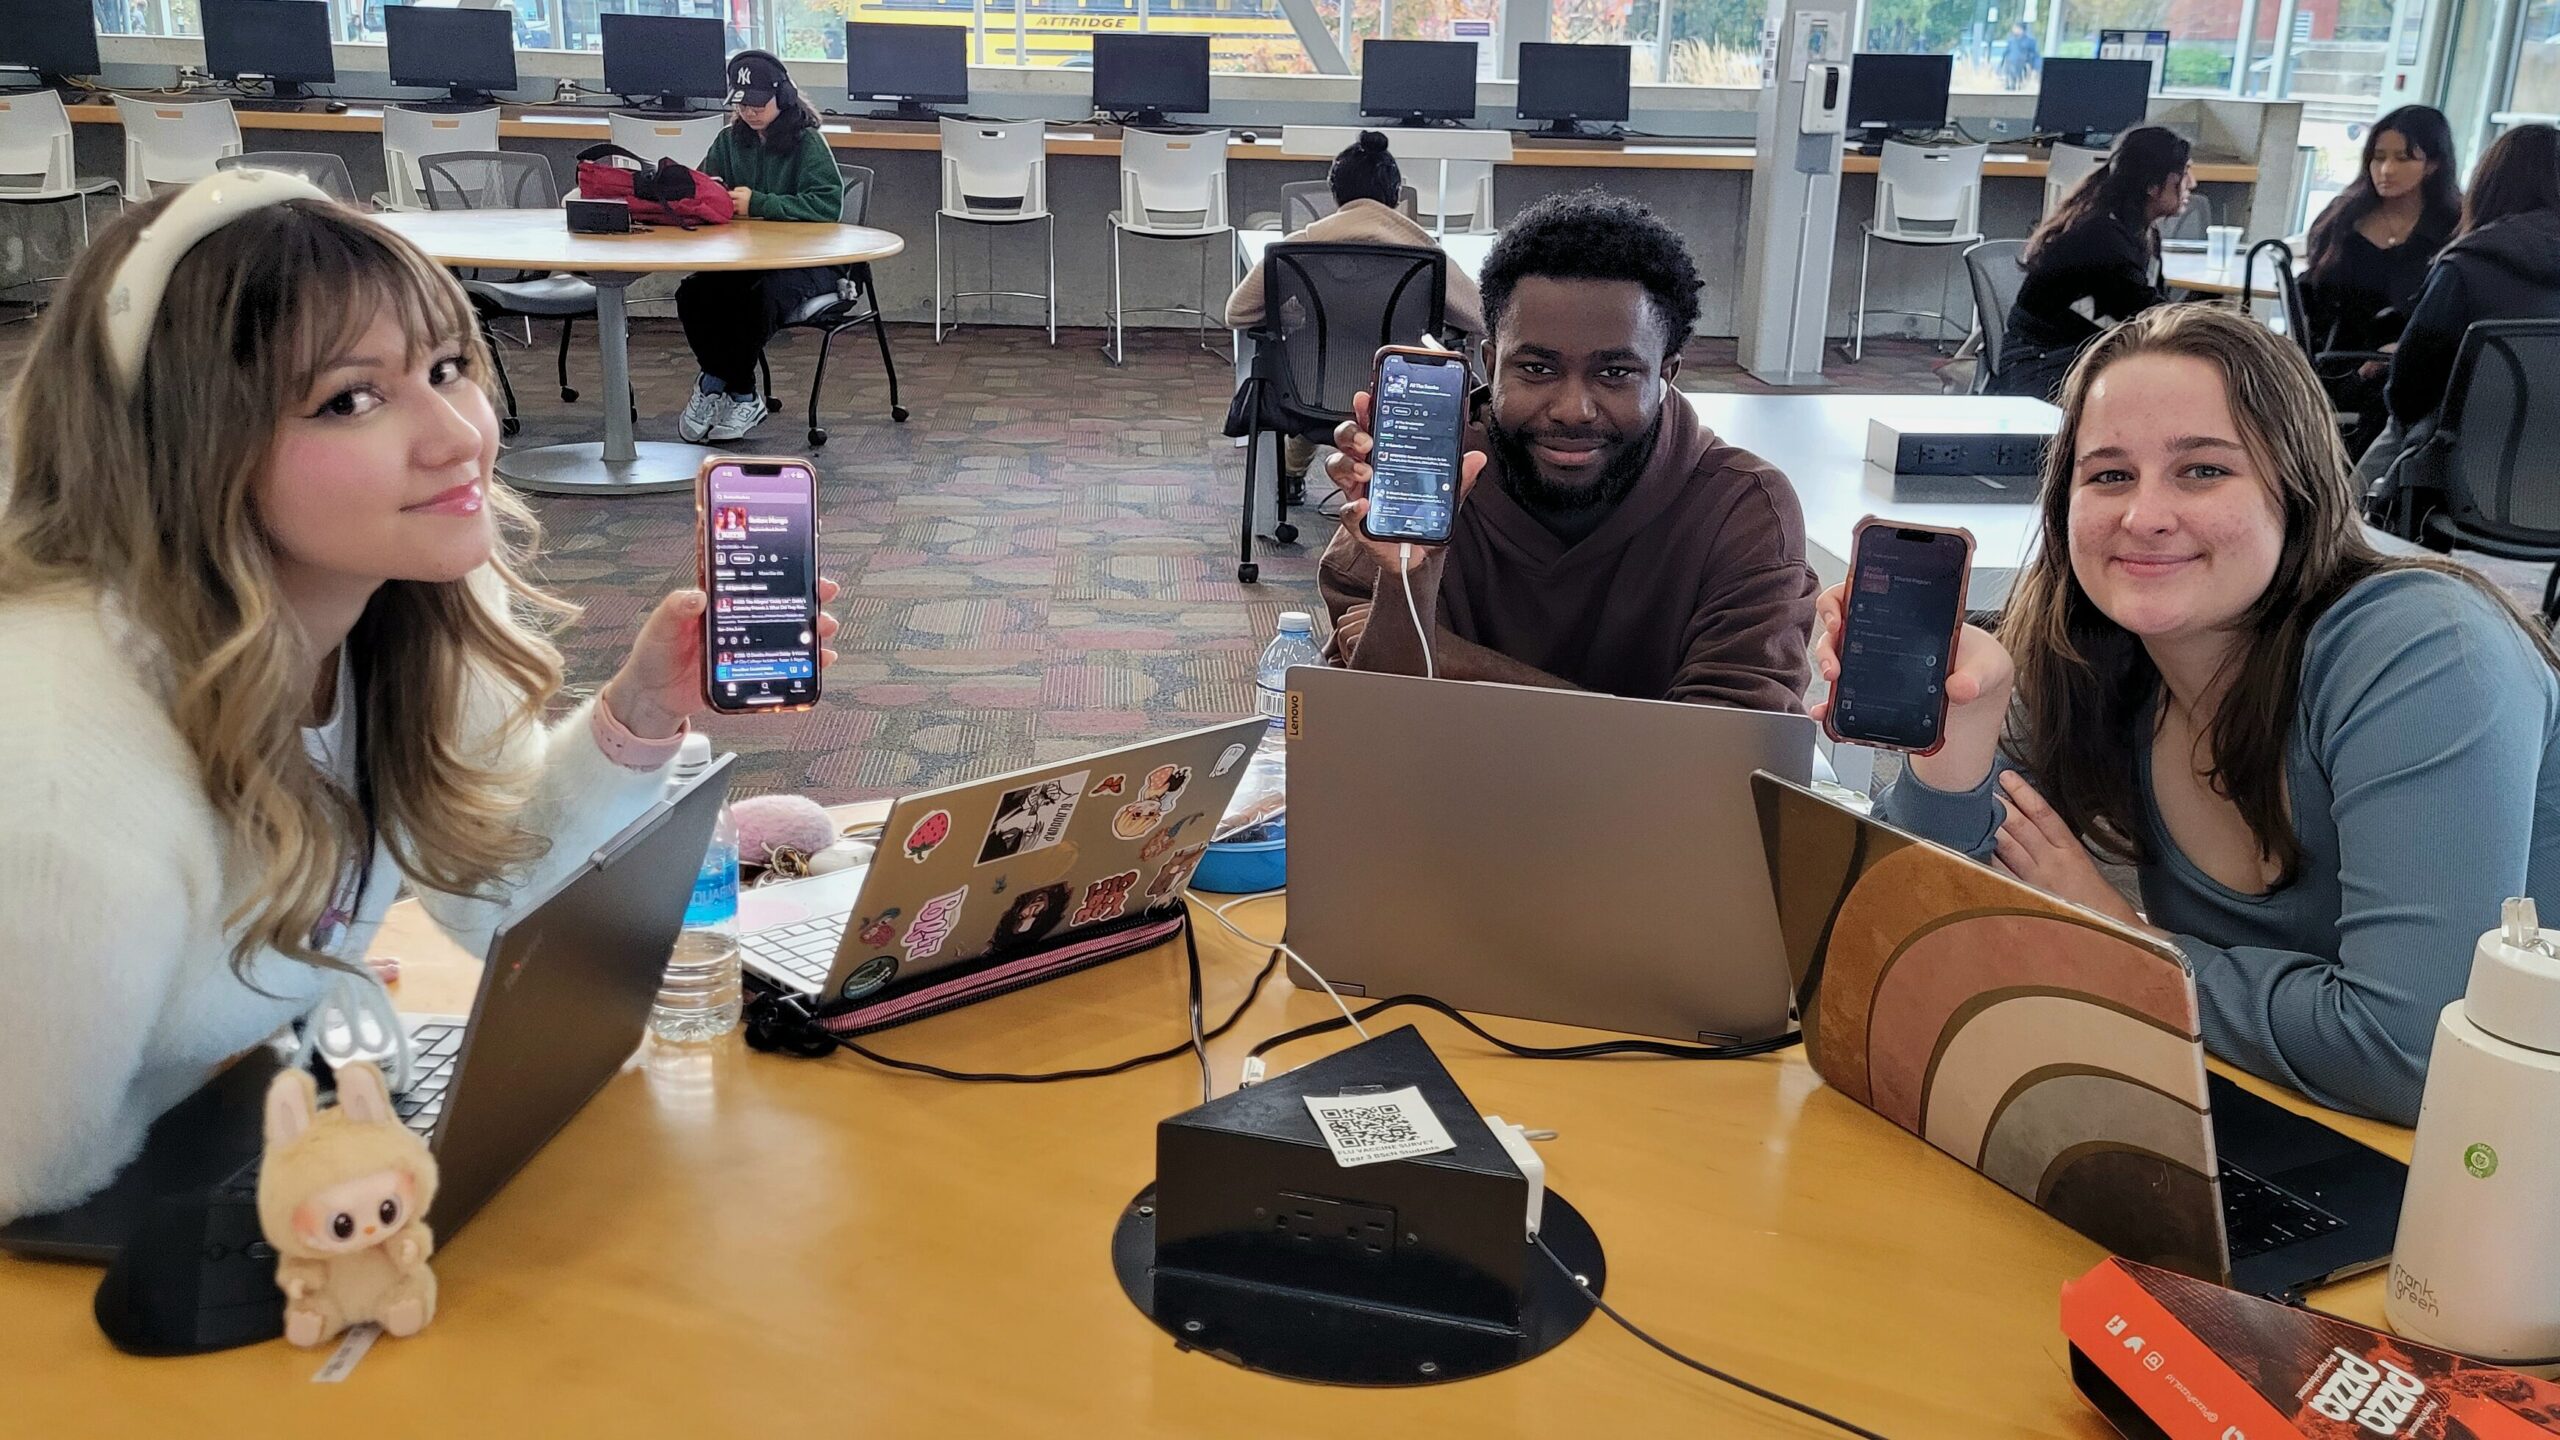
{"type": "Point", "coordinates": [777, 167]}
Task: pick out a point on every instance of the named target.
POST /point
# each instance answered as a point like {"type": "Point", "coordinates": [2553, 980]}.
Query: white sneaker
{"type": "Point", "coordinates": [741, 417]}
{"type": "Point", "coordinates": [706, 409]}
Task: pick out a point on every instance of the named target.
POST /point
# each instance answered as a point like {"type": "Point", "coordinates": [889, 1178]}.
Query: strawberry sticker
{"type": "Point", "coordinates": [929, 832]}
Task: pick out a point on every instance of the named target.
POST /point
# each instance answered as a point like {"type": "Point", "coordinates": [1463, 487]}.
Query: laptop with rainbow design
{"type": "Point", "coordinates": [2056, 1052]}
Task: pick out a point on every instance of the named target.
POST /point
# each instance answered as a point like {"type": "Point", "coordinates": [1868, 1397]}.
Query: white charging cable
{"type": "Point", "coordinates": [1253, 1067]}
{"type": "Point", "coordinates": [1404, 568]}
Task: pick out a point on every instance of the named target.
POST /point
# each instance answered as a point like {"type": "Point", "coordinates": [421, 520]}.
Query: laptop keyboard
{"type": "Point", "coordinates": [805, 951]}
{"type": "Point", "coordinates": [2262, 1216]}
{"type": "Point", "coordinates": [422, 1104]}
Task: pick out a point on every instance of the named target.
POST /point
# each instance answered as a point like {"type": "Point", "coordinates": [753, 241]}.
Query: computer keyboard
{"type": "Point", "coordinates": [422, 1104]}
{"type": "Point", "coordinates": [806, 950]}
{"type": "Point", "coordinates": [2261, 1216]}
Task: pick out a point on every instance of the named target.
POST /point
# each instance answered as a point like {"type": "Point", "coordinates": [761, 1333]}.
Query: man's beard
{"type": "Point", "coordinates": [1524, 482]}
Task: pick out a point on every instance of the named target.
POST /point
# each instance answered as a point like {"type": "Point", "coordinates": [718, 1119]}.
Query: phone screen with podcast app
{"type": "Point", "coordinates": [760, 534]}
{"type": "Point", "coordinates": [1420, 431]}
{"type": "Point", "coordinates": [1904, 588]}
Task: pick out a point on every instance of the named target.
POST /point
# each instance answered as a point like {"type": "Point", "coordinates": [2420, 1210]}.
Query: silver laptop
{"type": "Point", "coordinates": [1002, 865]}
{"type": "Point", "coordinates": [1549, 854]}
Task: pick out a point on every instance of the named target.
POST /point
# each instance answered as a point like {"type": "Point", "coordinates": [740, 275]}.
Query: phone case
{"type": "Point", "coordinates": [1377, 367]}
{"type": "Point", "coordinates": [1964, 579]}
{"type": "Point", "coordinates": [702, 577]}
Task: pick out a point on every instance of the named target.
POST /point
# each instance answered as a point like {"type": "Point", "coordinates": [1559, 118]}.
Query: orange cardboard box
{"type": "Point", "coordinates": [2166, 1357]}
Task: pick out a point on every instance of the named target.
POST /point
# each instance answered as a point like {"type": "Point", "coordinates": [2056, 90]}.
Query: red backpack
{"type": "Point", "coordinates": [664, 194]}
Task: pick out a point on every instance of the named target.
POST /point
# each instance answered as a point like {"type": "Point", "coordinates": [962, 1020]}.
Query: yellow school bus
{"type": "Point", "coordinates": [1244, 35]}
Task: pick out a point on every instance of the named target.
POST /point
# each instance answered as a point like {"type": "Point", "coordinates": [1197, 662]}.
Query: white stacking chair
{"type": "Point", "coordinates": [1927, 197]}
{"type": "Point", "coordinates": [173, 144]}
{"type": "Point", "coordinates": [1453, 195]}
{"type": "Point", "coordinates": [656, 137]}
{"type": "Point", "coordinates": [408, 134]}
{"type": "Point", "coordinates": [994, 175]}
{"type": "Point", "coordinates": [35, 157]}
{"type": "Point", "coordinates": [1172, 187]}
{"type": "Point", "coordinates": [2065, 168]}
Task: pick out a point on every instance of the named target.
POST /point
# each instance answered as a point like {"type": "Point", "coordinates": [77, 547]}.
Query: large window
{"type": "Point", "coordinates": [1677, 42]}
{"type": "Point", "coordinates": [2537, 84]}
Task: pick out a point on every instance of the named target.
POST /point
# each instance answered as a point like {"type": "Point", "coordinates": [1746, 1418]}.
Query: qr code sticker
{"type": "Point", "coordinates": [1366, 1129]}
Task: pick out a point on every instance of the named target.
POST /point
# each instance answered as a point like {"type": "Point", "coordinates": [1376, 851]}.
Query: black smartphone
{"type": "Point", "coordinates": [1898, 638]}
{"type": "Point", "coordinates": [1418, 431]}
{"type": "Point", "coordinates": [759, 568]}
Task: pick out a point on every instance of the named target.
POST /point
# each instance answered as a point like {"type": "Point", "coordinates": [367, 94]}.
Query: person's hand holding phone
{"type": "Point", "coordinates": [659, 686]}
{"type": "Point", "coordinates": [1349, 470]}
{"type": "Point", "coordinates": [1979, 683]}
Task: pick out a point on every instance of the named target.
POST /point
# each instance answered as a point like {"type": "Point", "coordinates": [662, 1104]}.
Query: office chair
{"type": "Point", "coordinates": [855, 301]}
{"type": "Point", "coordinates": [509, 180]}
{"type": "Point", "coordinates": [2481, 478]}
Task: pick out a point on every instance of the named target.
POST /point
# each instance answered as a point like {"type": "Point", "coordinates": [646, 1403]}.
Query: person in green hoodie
{"type": "Point", "coordinates": [778, 167]}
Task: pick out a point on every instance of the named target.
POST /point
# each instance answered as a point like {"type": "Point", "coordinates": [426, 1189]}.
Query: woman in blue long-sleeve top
{"type": "Point", "coordinates": [2328, 765]}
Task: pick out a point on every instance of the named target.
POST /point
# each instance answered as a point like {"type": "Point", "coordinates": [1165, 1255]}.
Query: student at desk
{"type": "Point", "coordinates": [2095, 260]}
{"type": "Point", "coordinates": [2328, 765]}
{"type": "Point", "coordinates": [2369, 252]}
{"type": "Point", "coordinates": [1619, 545]}
{"type": "Point", "coordinates": [267, 653]}
{"type": "Point", "coordinates": [778, 167]}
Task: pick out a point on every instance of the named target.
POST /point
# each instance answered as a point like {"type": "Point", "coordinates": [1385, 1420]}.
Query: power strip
{"type": "Point", "coordinates": [1908, 451]}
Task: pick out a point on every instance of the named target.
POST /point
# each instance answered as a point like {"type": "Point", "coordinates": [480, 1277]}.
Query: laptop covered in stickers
{"type": "Point", "coordinates": [999, 883]}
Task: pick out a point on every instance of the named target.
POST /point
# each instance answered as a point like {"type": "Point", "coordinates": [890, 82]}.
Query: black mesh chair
{"type": "Point", "coordinates": [508, 180]}
{"type": "Point", "coordinates": [325, 171]}
{"type": "Point", "coordinates": [1304, 202]}
{"type": "Point", "coordinates": [854, 301]}
{"type": "Point", "coordinates": [1326, 310]}
{"type": "Point", "coordinates": [1992, 268]}
{"type": "Point", "coordinates": [2482, 479]}
{"type": "Point", "coordinates": [2274, 259]}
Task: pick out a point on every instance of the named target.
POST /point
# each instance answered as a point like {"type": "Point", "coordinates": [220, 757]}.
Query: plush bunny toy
{"type": "Point", "coordinates": [341, 1194]}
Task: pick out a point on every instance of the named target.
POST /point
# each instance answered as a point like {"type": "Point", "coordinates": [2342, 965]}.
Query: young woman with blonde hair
{"type": "Point", "coordinates": [267, 648]}
{"type": "Point", "coordinates": [2327, 764]}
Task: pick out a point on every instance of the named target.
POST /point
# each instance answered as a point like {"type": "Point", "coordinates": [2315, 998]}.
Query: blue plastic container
{"type": "Point", "coordinates": [1245, 869]}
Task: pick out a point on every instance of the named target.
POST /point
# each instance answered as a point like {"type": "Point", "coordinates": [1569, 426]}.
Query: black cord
{"type": "Point", "coordinates": [1199, 1045]}
{"type": "Point", "coordinates": [1659, 1049]}
{"type": "Point", "coordinates": [1703, 1368]}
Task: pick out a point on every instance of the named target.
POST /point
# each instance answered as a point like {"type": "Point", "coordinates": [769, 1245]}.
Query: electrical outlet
{"type": "Point", "coordinates": [1941, 453]}
{"type": "Point", "coordinates": [2016, 457]}
{"type": "Point", "coordinates": [1340, 1227]}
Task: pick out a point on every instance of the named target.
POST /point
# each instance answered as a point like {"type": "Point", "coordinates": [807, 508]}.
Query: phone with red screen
{"type": "Point", "coordinates": [1897, 637]}
{"type": "Point", "coordinates": [758, 562]}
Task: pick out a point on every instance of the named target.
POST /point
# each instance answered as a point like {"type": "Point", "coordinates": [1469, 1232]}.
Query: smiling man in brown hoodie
{"type": "Point", "coordinates": [1617, 544]}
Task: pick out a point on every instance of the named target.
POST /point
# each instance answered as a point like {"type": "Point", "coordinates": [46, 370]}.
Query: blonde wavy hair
{"type": "Point", "coordinates": [148, 497]}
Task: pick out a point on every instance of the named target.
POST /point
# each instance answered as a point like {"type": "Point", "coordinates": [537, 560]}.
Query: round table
{"type": "Point", "coordinates": [541, 240]}
{"type": "Point", "coordinates": [2196, 274]}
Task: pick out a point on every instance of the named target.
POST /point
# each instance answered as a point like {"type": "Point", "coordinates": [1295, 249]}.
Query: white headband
{"type": "Point", "coordinates": [133, 297]}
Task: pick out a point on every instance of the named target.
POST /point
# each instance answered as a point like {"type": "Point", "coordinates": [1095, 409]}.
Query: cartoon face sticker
{"type": "Point", "coordinates": [1137, 818]}
{"type": "Point", "coordinates": [928, 833]}
{"type": "Point", "coordinates": [1165, 784]}
{"type": "Point", "coordinates": [1111, 785]}
{"type": "Point", "coordinates": [1227, 759]}
{"type": "Point", "coordinates": [933, 924]}
{"type": "Point", "coordinates": [878, 934]}
{"type": "Point", "coordinates": [1033, 817]}
{"type": "Point", "coordinates": [868, 976]}
{"type": "Point", "coordinates": [1105, 898]}
{"type": "Point", "coordinates": [1167, 889]}
{"type": "Point", "coordinates": [1033, 914]}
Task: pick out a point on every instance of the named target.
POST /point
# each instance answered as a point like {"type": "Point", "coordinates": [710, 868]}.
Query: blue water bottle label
{"type": "Point", "coordinates": [715, 894]}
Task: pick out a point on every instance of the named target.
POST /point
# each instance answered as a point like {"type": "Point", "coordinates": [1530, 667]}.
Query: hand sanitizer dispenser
{"type": "Point", "coordinates": [2477, 1266]}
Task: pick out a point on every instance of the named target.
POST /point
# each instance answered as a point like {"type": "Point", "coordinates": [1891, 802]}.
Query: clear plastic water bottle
{"type": "Point", "coordinates": [1294, 645]}
{"type": "Point", "coordinates": [698, 1000]}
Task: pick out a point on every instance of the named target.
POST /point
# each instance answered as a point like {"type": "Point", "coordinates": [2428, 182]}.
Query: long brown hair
{"type": "Point", "coordinates": [2085, 682]}
{"type": "Point", "coordinates": [146, 498]}
{"type": "Point", "coordinates": [2519, 172]}
{"type": "Point", "coordinates": [2144, 158]}
{"type": "Point", "coordinates": [2424, 131]}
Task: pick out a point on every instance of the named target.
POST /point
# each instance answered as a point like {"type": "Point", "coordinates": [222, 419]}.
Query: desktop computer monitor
{"type": "Point", "coordinates": [917, 66]}
{"type": "Point", "coordinates": [470, 53]}
{"type": "Point", "coordinates": [1147, 76]}
{"type": "Point", "coordinates": [1567, 84]}
{"type": "Point", "coordinates": [660, 60]}
{"type": "Point", "coordinates": [2081, 100]}
{"type": "Point", "coordinates": [285, 42]}
{"type": "Point", "coordinates": [50, 37]}
{"type": "Point", "coordinates": [1890, 93]}
{"type": "Point", "coordinates": [1417, 81]}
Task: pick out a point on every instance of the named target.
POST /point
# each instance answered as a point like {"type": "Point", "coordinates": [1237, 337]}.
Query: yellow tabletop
{"type": "Point", "coordinates": [541, 240]}
{"type": "Point", "coordinates": [728, 1243]}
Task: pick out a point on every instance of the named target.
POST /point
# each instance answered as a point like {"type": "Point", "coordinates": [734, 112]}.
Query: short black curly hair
{"type": "Point", "coordinates": [1594, 235]}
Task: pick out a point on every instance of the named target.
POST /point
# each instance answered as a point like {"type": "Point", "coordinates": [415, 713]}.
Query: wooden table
{"type": "Point", "coordinates": [727, 1243]}
{"type": "Point", "coordinates": [541, 240]}
{"type": "Point", "coordinates": [588, 124]}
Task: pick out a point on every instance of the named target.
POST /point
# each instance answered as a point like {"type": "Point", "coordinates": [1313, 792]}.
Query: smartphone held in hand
{"type": "Point", "coordinates": [1897, 641]}
{"type": "Point", "coordinates": [759, 571]}
{"type": "Point", "coordinates": [1418, 435]}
